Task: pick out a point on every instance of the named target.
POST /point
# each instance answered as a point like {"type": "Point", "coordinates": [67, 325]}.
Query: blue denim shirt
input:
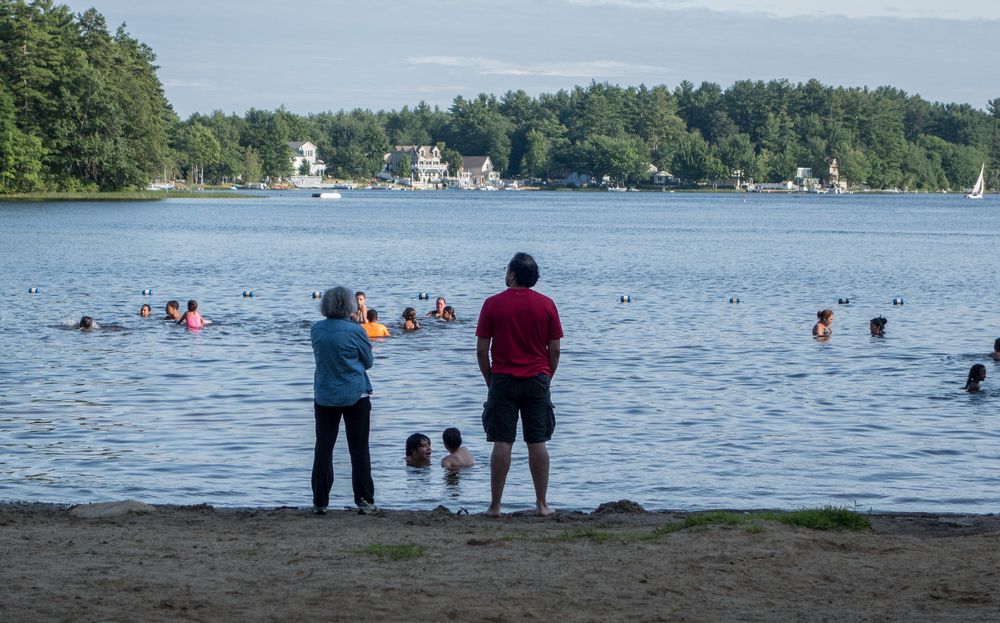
{"type": "Point", "coordinates": [343, 352]}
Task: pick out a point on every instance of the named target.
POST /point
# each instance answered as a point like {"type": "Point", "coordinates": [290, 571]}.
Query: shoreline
{"type": "Point", "coordinates": [617, 563]}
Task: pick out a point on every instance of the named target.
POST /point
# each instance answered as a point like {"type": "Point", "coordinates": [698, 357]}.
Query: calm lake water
{"type": "Point", "coordinates": [678, 400]}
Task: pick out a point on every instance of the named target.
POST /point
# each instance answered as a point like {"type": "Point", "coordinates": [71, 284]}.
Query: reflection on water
{"type": "Point", "coordinates": [678, 399]}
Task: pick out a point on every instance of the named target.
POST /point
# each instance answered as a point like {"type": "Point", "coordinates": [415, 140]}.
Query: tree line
{"type": "Point", "coordinates": [81, 108]}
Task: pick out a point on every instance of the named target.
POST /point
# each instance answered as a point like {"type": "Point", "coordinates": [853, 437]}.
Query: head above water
{"type": "Point", "coordinates": [409, 314]}
{"type": "Point", "coordinates": [418, 449]}
{"type": "Point", "coordinates": [877, 325]}
{"type": "Point", "coordinates": [825, 315]}
{"type": "Point", "coordinates": [338, 303]}
{"type": "Point", "coordinates": [448, 313]}
{"type": "Point", "coordinates": [977, 374]}
{"type": "Point", "coordinates": [86, 322]}
{"type": "Point", "coordinates": [996, 345]}
{"type": "Point", "coordinates": [439, 304]}
{"type": "Point", "coordinates": [172, 305]}
{"type": "Point", "coordinates": [145, 311]}
{"type": "Point", "coordinates": [192, 305]}
{"type": "Point", "coordinates": [523, 269]}
{"type": "Point", "coordinates": [371, 315]}
{"type": "Point", "coordinates": [452, 438]}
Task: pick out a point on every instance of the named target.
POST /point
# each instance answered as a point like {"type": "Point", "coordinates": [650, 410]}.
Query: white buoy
{"type": "Point", "coordinates": [734, 300]}
{"type": "Point", "coordinates": [897, 301]}
{"type": "Point", "coordinates": [626, 298]}
{"type": "Point", "coordinates": [317, 295]}
{"type": "Point", "coordinates": [423, 296]}
{"type": "Point", "coordinates": [147, 292]}
{"type": "Point", "coordinates": [248, 294]}
{"type": "Point", "coordinates": [32, 290]}
{"type": "Point", "coordinates": [843, 301]}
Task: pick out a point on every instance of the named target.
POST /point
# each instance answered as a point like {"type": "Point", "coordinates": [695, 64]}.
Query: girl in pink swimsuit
{"type": "Point", "coordinates": [191, 317]}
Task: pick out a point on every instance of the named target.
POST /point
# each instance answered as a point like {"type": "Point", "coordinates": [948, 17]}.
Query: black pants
{"type": "Point", "coordinates": [357, 421]}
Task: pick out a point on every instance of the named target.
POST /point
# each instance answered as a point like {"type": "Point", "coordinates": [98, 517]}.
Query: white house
{"type": "Point", "coordinates": [305, 152]}
{"type": "Point", "coordinates": [425, 164]}
{"type": "Point", "coordinates": [478, 171]}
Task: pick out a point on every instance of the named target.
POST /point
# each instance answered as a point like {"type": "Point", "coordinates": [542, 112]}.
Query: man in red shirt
{"type": "Point", "coordinates": [519, 331]}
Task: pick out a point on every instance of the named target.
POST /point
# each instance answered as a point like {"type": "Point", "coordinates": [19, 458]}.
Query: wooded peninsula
{"type": "Point", "coordinates": [82, 109]}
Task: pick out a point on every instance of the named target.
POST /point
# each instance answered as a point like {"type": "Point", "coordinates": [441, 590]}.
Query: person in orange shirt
{"type": "Point", "coordinates": [373, 327]}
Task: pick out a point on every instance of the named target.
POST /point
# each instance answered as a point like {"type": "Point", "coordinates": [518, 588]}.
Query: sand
{"type": "Point", "coordinates": [202, 564]}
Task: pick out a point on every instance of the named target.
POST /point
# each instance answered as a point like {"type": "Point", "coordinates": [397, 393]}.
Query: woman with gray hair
{"type": "Point", "coordinates": [341, 389]}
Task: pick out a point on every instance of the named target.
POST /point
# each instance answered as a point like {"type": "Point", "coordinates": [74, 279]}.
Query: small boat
{"type": "Point", "coordinates": [326, 195]}
{"type": "Point", "coordinates": [617, 189]}
{"type": "Point", "coordinates": [977, 190]}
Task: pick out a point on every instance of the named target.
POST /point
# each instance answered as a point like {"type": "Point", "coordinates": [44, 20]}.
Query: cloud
{"type": "Point", "coordinates": [173, 83]}
{"type": "Point", "coordinates": [583, 69]}
{"type": "Point", "coordinates": [931, 9]}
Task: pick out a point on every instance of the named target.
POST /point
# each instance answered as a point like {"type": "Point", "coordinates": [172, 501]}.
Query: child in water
{"type": "Point", "coordinates": [977, 374]}
{"type": "Point", "coordinates": [145, 311]}
{"type": "Point", "coordinates": [996, 350]}
{"type": "Point", "coordinates": [410, 319]}
{"type": "Point", "coordinates": [877, 326]}
{"type": "Point", "coordinates": [458, 456]}
{"type": "Point", "coordinates": [86, 323]}
{"type": "Point", "coordinates": [822, 327]}
{"type": "Point", "coordinates": [373, 327]}
{"type": "Point", "coordinates": [192, 318]}
{"type": "Point", "coordinates": [448, 313]}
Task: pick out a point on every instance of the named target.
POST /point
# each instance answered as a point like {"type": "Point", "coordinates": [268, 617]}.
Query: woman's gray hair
{"type": "Point", "coordinates": [338, 302]}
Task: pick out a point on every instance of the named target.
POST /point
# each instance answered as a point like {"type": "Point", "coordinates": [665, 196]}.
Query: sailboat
{"type": "Point", "coordinates": [977, 190]}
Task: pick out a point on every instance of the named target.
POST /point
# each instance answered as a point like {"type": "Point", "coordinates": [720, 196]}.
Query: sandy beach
{"type": "Point", "coordinates": [619, 564]}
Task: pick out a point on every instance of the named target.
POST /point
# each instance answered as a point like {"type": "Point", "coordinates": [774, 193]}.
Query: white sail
{"type": "Point", "coordinates": [977, 190]}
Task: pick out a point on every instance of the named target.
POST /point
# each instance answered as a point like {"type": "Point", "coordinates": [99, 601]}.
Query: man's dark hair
{"type": "Point", "coordinates": [524, 268]}
{"type": "Point", "coordinates": [372, 315]}
{"type": "Point", "coordinates": [413, 442]}
{"type": "Point", "coordinates": [174, 304]}
{"type": "Point", "coordinates": [452, 438]}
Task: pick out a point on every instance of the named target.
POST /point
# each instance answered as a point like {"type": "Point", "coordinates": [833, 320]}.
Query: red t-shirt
{"type": "Point", "coordinates": [520, 323]}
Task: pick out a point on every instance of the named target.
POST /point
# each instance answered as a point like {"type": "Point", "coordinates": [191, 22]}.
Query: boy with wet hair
{"type": "Point", "coordinates": [458, 456]}
{"type": "Point", "coordinates": [418, 450]}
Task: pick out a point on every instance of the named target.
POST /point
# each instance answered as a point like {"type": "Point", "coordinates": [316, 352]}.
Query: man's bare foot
{"type": "Point", "coordinates": [493, 511]}
{"type": "Point", "coordinates": [543, 510]}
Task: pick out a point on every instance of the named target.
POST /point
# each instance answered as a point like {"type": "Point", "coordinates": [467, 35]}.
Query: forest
{"type": "Point", "coordinates": [82, 108]}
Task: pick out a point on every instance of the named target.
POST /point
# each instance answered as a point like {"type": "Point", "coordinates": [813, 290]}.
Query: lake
{"type": "Point", "coordinates": [677, 400]}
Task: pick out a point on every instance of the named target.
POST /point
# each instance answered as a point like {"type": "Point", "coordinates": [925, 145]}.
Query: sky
{"type": "Point", "coordinates": [327, 55]}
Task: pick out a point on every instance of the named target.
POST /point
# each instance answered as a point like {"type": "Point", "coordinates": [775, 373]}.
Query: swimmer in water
{"type": "Point", "coordinates": [145, 311]}
{"type": "Point", "coordinates": [373, 327]}
{"type": "Point", "coordinates": [458, 455]}
{"type": "Point", "coordinates": [360, 316]}
{"type": "Point", "coordinates": [996, 350]}
{"type": "Point", "coordinates": [173, 310]}
{"type": "Point", "coordinates": [418, 450]}
{"type": "Point", "coordinates": [438, 310]}
{"type": "Point", "coordinates": [877, 326]}
{"type": "Point", "coordinates": [448, 313]}
{"type": "Point", "coordinates": [410, 319]}
{"type": "Point", "coordinates": [977, 374]}
{"type": "Point", "coordinates": [822, 327]}
{"type": "Point", "coordinates": [86, 323]}
{"type": "Point", "coordinates": [192, 318]}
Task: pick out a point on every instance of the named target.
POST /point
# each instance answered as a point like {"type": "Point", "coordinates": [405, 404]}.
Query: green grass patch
{"type": "Point", "coordinates": [139, 195]}
{"type": "Point", "coordinates": [826, 518]}
{"type": "Point", "coordinates": [402, 551]}
{"type": "Point", "coordinates": [590, 534]}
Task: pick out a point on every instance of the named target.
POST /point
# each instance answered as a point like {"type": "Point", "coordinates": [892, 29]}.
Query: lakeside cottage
{"type": "Point", "coordinates": [424, 160]}
{"type": "Point", "coordinates": [478, 171]}
{"type": "Point", "coordinates": [305, 152]}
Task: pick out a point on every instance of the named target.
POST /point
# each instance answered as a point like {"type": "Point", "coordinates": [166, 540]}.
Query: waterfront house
{"type": "Point", "coordinates": [305, 152]}
{"type": "Point", "coordinates": [425, 164]}
{"type": "Point", "coordinates": [478, 171]}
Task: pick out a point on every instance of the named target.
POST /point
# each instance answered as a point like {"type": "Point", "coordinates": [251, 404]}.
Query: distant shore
{"type": "Point", "coordinates": [617, 564]}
